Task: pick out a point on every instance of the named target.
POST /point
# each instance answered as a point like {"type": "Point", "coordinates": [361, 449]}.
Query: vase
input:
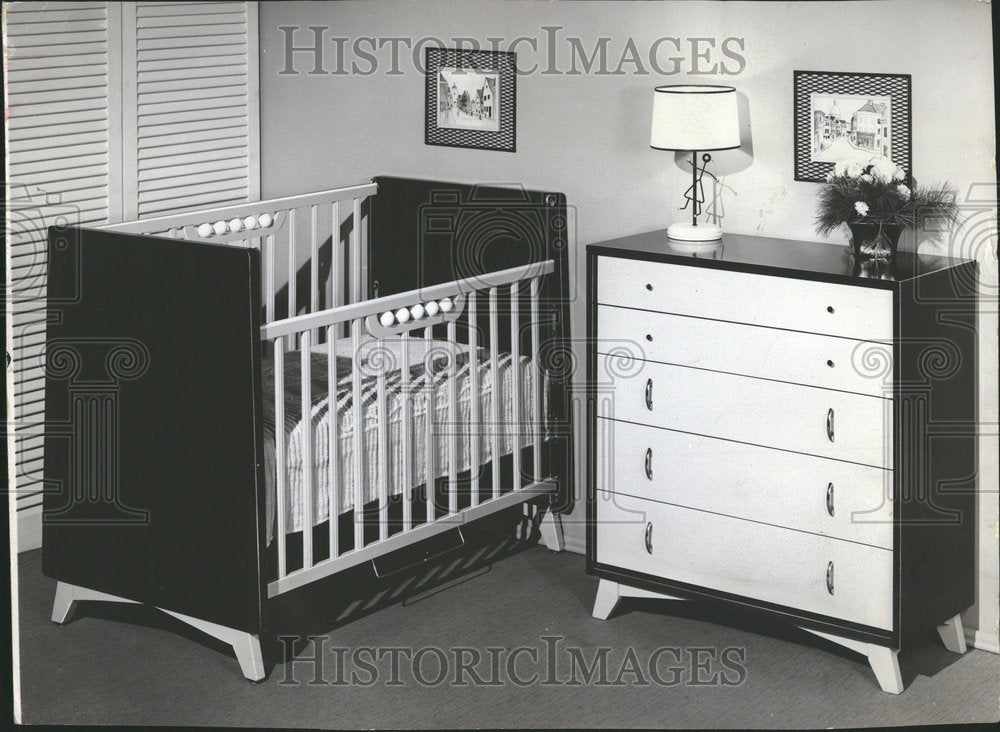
{"type": "Point", "coordinates": [874, 240]}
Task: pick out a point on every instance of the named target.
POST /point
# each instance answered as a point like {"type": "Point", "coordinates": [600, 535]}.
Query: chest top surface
{"type": "Point", "coordinates": [780, 257]}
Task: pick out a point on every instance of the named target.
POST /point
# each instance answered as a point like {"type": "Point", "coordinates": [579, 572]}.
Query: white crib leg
{"type": "Point", "coordinates": [68, 595]}
{"type": "Point", "coordinates": [245, 645]}
{"type": "Point", "coordinates": [606, 600]}
{"type": "Point", "coordinates": [550, 527]}
{"type": "Point", "coordinates": [952, 634]}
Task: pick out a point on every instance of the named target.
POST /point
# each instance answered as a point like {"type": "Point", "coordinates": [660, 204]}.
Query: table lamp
{"type": "Point", "coordinates": [695, 118]}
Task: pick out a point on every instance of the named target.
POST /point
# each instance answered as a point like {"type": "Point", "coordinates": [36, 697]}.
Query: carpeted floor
{"type": "Point", "coordinates": [128, 665]}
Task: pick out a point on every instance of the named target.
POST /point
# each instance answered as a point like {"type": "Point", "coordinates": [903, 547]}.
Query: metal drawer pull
{"type": "Point", "coordinates": [829, 578]}
{"type": "Point", "coordinates": [649, 463]}
{"type": "Point", "coordinates": [829, 498]}
{"type": "Point", "coordinates": [649, 538]}
{"type": "Point", "coordinates": [829, 423]}
{"type": "Point", "coordinates": [649, 394]}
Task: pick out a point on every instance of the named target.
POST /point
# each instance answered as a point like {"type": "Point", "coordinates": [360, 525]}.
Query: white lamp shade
{"type": "Point", "coordinates": [695, 117]}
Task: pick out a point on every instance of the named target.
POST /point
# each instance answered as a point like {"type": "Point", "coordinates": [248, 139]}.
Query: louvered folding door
{"type": "Point", "coordinates": [64, 123]}
{"type": "Point", "coordinates": [115, 111]}
{"type": "Point", "coordinates": [191, 106]}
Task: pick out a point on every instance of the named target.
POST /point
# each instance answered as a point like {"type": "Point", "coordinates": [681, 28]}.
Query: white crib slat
{"type": "Point", "coordinates": [515, 383]}
{"type": "Point", "coordinates": [357, 411]}
{"type": "Point", "coordinates": [452, 420]}
{"type": "Point", "coordinates": [336, 254]}
{"type": "Point", "coordinates": [496, 432]}
{"type": "Point", "coordinates": [383, 450]}
{"type": "Point", "coordinates": [292, 216]}
{"type": "Point", "coordinates": [333, 445]}
{"type": "Point", "coordinates": [308, 509]}
{"type": "Point", "coordinates": [313, 259]}
{"type": "Point", "coordinates": [536, 381]}
{"type": "Point", "coordinates": [269, 278]}
{"type": "Point", "coordinates": [280, 471]}
{"type": "Point", "coordinates": [406, 430]}
{"type": "Point", "coordinates": [429, 446]}
{"type": "Point", "coordinates": [356, 252]}
{"type": "Point", "coordinates": [474, 396]}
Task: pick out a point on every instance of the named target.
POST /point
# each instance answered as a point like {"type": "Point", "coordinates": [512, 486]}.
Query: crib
{"type": "Point", "coordinates": [244, 400]}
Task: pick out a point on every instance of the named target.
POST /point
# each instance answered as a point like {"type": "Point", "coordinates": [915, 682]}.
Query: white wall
{"type": "Point", "coordinates": [587, 134]}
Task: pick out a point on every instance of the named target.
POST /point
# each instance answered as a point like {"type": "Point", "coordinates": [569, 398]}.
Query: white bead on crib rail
{"type": "Point", "coordinates": [417, 311]}
{"type": "Point", "coordinates": [387, 319]}
{"type": "Point", "coordinates": [220, 227]}
{"type": "Point", "coordinates": [446, 305]}
{"type": "Point", "coordinates": [431, 308]}
{"type": "Point", "coordinates": [402, 315]}
{"type": "Point", "coordinates": [250, 222]}
{"type": "Point", "coordinates": [205, 230]}
{"type": "Point", "coordinates": [235, 224]}
{"type": "Point", "coordinates": [265, 220]}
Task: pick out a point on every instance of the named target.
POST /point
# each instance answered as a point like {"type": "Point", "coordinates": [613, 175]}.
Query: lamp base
{"type": "Point", "coordinates": [689, 232]}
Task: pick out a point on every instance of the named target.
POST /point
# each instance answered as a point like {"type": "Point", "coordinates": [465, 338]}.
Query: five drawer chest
{"type": "Point", "coordinates": [777, 427]}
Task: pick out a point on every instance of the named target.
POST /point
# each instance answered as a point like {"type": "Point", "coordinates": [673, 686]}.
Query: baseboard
{"type": "Point", "coordinates": [29, 529]}
{"type": "Point", "coordinates": [982, 640]}
{"type": "Point", "coordinates": [575, 544]}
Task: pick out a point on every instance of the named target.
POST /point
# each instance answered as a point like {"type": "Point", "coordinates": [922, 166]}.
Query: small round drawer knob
{"type": "Point", "coordinates": [829, 363]}
{"type": "Point", "coordinates": [649, 287]}
{"type": "Point", "coordinates": [829, 309]}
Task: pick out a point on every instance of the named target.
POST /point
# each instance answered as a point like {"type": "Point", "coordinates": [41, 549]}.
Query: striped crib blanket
{"type": "Point", "coordinates": [517, 382]}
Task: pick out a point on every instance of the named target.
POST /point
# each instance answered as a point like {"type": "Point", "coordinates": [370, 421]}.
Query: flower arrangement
{"type": "Point", "coordinates": [877, 192]}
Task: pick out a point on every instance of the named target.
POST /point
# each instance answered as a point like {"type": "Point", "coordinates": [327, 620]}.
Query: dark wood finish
{"type": "Point", "coordinates": [424, 232]}
{"type": "Point", "coordinates": [936, 455]}
{"type": "Point", "coordinates": [935, 479]}
{"type": "Point", "coordinates": [154, 447]}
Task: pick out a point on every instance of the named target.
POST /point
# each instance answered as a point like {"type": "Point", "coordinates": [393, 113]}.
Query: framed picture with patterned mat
{"type": "Point", "coordinates": [471, 99]}
{"type": "Point", "coordinates": [844, 116]}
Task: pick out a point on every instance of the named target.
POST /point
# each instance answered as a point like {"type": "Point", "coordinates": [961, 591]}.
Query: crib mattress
{"type": "Point", "coordinates": [514, 382]}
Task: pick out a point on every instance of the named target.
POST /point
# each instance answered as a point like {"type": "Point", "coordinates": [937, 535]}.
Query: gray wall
{"type": "Point", "coordinates": [587, 134]}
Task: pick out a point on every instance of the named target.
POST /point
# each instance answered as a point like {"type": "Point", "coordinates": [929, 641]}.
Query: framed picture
{"type": "Point", "coordinates": [470, 99]}
{"type": "Point", "coordinates": [842, 116]}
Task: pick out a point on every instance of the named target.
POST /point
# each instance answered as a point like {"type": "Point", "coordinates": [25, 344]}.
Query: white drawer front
{"type": "Point", "coordinates": [864, 367]}
{"type": "Point", "coordinates": [753, 560]}
{"type": "Point", "coordinates": [862, 313]}
{"type": "Point", "coordinates": [801, 492]}
{"type": "Point", "coordinates": [768, 413]}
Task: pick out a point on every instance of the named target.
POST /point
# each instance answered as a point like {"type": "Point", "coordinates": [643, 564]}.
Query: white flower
{"type": "Point", "coordinates": [867, 178]}
{"type": "Point", "coordinates": [861, 207]}
{"type": "Point", "coordinates": [883, 169]}
{"type": "Point", "coordinates": [840, 167]}
{"type": "Point", "coordinates": [899, 174]}
{"type": "Point", "coordinates": [830, 176]}
{"type": "Point", "coordinates": [855, 169]}
{"type": "Point", "coordinates": [903, 191]}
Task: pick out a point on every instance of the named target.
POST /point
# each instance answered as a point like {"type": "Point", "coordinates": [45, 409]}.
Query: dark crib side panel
{"type": "Point", "coordinates": [425, 232]}
{"type": "Point", "coordinates": [153, 470]}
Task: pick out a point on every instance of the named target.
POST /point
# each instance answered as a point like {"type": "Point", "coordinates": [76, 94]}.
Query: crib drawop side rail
{"type": "Point", "coordinates": [397, 316]}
